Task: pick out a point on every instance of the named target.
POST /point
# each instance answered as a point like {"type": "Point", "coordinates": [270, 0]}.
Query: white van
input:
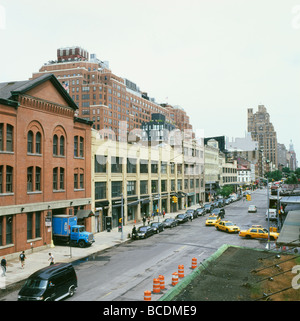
{"type": "Point", "coordinates": [272, 214]}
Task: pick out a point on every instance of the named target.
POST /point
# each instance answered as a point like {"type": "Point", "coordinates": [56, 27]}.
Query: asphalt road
{"type": "Point", "coordinates": [124, 272]}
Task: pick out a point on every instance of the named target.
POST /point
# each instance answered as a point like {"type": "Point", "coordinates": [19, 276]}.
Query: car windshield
{"type": "Point", "coordinates": [212, 218]}
{"type": "Point", "coordinates": [180, 215]}
{"type": "Point", "coordinates": [154, 224]}
{"type": "Point", "coordinates": [36, 284]}
{"type": "Point", "coordinates": [229, 224]}
{"type": "Point", "coordinates": [142, 229]}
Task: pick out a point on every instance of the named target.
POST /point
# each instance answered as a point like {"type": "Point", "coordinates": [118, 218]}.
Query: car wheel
{"type": "Point", "coordinates": [248, 237]}
{"type": "Point", "coordinates": [81, 243]}
{"type": "Point", "coordinates": [71, 290]}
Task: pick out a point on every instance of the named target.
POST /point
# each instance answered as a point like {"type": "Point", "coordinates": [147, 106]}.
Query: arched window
{"type": "Point", "coordinates": [30, 142]}
{"type": "Point", "coordinates": [38, 143]}
{"type": "Point", "coordinates": [62, 146]}
{"type": "Point", "coordinates": [55, 141]}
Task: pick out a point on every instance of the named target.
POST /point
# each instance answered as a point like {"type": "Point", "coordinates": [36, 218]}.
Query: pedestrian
{"type": "Point", "coordinates": [3, 266]}
{"type": "Point", "coordinates": [133, 232]}
{"type": "Point", "coordinates": [148, 220]}
{"type": "Point", "coordinates": [144, 220]}
{"type": "Point", "coordinates": [22, 259]}
{"type": "Point", "coordinates": [164, 213]}
{"type": "Point", "coordinates": [51, 259]}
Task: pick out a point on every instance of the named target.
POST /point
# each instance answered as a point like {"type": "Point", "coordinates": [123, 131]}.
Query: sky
{"type": "Point", "coordinates": [213, 58]}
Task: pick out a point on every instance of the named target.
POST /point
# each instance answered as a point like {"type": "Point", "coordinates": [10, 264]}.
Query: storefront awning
{"type": "Point", "coordinates": [84, 213]}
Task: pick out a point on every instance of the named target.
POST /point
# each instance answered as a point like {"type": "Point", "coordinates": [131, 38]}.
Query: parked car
{"type": "Point", "coordinates": [181, 218]}
{"type": "Point", "coordinates": [208, 207]}
{"type": "Point", "coordinates": [144, 232]}
{"type": "Point", "coordinates": [201, 211]}
{"type": "Point", "coordinates": [169, 222]}
{"type": "Point", "coordinates": [228, 201]}
{"type": "Point", "coordinates": [227, 226]}
{"type": "Point", "coordinates": [218, 212]}
{"type": "Point", "coordinates": [158, 227]}
{"type": "Point", "coordinates": [51, 283]}
{"type": "Point", "coordinates": [191, 212]}
{"type": "Point", "coordinates": [271, 214]}
{"type": "Point", "coordinates": [258, 233]}
{"type": "Point", "coordinates": [252, 209]}
{"type": "Point", "coordinates": [220, 202]}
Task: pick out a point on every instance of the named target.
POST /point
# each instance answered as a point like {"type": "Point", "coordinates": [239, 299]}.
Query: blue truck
{"type": "Point", "coordinates": [66, 230]}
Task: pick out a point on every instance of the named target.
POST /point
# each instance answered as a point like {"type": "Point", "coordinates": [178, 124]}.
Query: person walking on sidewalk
{"type": "Point", "coordinates": [3, 266]}
{"type": "Point", "coordinates": [51, 259]}
{"type": "Point", "coordinates": [22, 259]}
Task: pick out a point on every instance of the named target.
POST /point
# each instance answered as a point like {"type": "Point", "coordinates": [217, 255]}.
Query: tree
{"type": "Point", "coordinates": [226, 190]}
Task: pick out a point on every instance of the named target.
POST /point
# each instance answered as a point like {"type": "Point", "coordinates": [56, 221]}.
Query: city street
{"type": "Point", "coordinates": [124, 272]}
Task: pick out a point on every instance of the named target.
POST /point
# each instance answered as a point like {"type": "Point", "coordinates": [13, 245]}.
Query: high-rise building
{"type": "Point", "coordinates": [291, 158]}
{"type": "Point", "coordinates": [115, 104]}
{"type": "Point", "coordinates": [262, 131]}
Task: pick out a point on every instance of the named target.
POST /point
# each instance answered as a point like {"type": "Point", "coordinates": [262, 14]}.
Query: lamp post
{"type": "Point", "coordinates": [268, 211]}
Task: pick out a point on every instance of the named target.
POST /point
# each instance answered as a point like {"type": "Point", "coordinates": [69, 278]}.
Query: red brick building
{"type": "Point", "coordinates": [104, 97]}
{"type": "Point", "coordinates": [45, 161]}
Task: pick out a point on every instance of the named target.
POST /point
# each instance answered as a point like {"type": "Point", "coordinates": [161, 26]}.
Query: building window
{"type": "Point", "coordinates": [100, 190]}
{"type": "Point", "coordinates": [37, 178]}
{"type": "Point", "coordinates": [55, 171]}
{"type": "Point", "coordinates": [78, 146]}
{"type": "Point", "coordinates": [143, 166]}
{"type": "Point", "coordinates": [79, 178]}
{"type": "Point", "coordinates": [30, 179]}
{"type": "Point", "coordinates": [38, 143]}
{"type": "Point", "coordinates": [9, 179]}
{"type": "Point", "coordinates": [131, 165]}
{"type": "Point", "coordinates": [29, 226]}
{"type": "Point", "coordinates": [116, 189]}
{"type": "Point", "coordinates": [131, 188]}
{"type": "Point", "coordinates": [154, 186]}
{"type": "Point", "coordinates": [62, 146]}
{"type": "Point", "coordinates": [144, 187]}
{"type": "Point", "coordinates": [9, 138]}
{"type": "Point", "coordinates": [1, 137]}
{"type": "Point", "coordinates": [154, 167]}
{"type": "Point", "coordinates": [116, 164]}
{"type": "Point", "coordinates": [163, 185]}
{"type": "Point", "coordinates": [38, 224]}
{"type": "Point", "coordinates": [55, 140]}
{"type": "Point", "coordinates": [9, 230]}
{"type": "Point", "coordinates": [100, 164]}
{"type": "Point", "coordinates": [62, 178]}
{"type": "Point", "coordinates": [6, 137]}
{"type": "Point", "coordinates": [30, 142]}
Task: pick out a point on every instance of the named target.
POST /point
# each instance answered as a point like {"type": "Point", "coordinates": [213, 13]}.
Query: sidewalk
{"type": "Point", "coordinates": [38, 259]}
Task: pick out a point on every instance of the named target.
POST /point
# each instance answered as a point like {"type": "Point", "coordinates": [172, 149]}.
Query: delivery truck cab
{"type": "Point", "coordinates": [51, 283]}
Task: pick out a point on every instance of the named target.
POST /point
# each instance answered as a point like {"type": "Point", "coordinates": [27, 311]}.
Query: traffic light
{"type": "Point", "coordinates": [174, 199]}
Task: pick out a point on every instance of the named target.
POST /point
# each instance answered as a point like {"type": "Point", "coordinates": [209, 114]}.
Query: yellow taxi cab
{"type": "Point", "coordinates": [212, 220]}
{"type": "Point", "coordinates": [227, 226]}
{"type": "Point", "coordinates": [258, 232]}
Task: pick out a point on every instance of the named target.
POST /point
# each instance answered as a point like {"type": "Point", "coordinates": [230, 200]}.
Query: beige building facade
{"type": "Point", "coordinates": [146, 177]}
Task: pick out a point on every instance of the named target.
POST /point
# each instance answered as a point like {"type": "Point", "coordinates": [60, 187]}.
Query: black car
{"type": "Point", "coordinates": [158, 227]}
{"type": "Point", "coordinates": [170, 222]}
{"type": "Point", "coordinates": [182, 218]}
{"type": "Point", "coordinates": [144, 232]}
{"type": "Point", "coordinates": [201, 211]}
{"type": "Point", "coordinates": [208, 207]}
{"type": "Point", "coordinates": [219, 212]}
{"type": "Point", "coordinates": [191, 212]}
{"type": "Point", "coordinates": [53, 282]}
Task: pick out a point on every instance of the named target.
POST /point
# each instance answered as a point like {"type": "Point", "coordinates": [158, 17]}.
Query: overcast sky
{"type": "Point", "coordinates": [214, 58]}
